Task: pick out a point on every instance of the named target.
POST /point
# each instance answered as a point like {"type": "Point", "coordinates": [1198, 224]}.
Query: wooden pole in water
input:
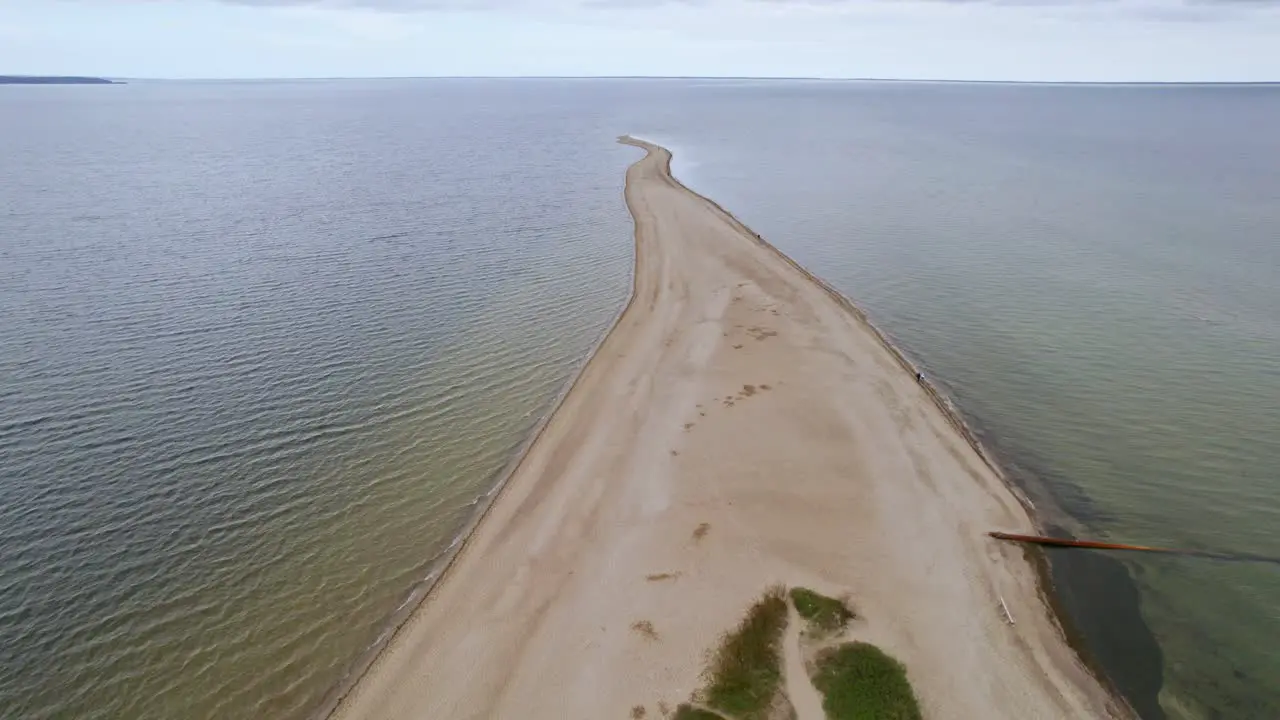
{"type": "Point", "coordinates": [1063, 542]}
{"type": "Point", "coordinates": [1093, 545]}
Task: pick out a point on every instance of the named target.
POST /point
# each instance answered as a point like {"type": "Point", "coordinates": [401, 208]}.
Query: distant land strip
{"type": "Point", "coordinates": [53, 80]}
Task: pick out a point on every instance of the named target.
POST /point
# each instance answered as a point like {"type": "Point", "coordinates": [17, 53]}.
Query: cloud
{"type": "Point", "coordinates": [1197, 11]}
{"type": "Point", "coordinates": [733, 13]}
{"type": "Point", "coordinates": [390, 6]}
{"type": "Point", "coordinates": [403, 6]}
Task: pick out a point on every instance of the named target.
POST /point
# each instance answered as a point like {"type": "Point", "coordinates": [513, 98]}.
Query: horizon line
{"type": "Point", "coordinates": [284, 78]}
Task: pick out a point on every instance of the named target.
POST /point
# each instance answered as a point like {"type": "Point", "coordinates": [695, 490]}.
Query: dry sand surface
{"type": "Point", "coordinates": [741, 426]}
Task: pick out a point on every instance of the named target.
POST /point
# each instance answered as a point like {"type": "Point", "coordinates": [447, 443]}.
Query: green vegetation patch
{"type": "Point", "coordinates": [821, 611]}
{"type": "Point", "coordinates": [689, 712]}
{"type": "Point", "coordinates": [745, 673]}
{"type": "Point", "coordinates": [860, 682]}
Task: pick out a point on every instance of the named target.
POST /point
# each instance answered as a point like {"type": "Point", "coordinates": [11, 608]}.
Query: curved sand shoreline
{"type": "Point", "coordinates": [738, 391]}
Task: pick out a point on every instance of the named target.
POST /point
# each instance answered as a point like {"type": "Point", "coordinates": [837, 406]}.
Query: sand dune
{"type": "Point", "coordinates": [741, 426]}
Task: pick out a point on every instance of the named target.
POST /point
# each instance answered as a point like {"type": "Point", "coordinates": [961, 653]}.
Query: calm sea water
{"type": "Point", "coordinates": [262, 346]}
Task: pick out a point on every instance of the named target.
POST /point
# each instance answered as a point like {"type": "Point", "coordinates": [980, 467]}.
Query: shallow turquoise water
{"type": "Point", "coordinates": [264, 344]}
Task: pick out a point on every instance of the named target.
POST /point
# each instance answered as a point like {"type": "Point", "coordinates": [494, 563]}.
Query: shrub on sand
{"type": "Point", "coordinates": [823, 612]}
{"type": "Point", "coordinates": [745, 673]}
{"type": "Point", "coordinates": [689, 712]}
{"type": "Point", "coordinates": [860, 682]}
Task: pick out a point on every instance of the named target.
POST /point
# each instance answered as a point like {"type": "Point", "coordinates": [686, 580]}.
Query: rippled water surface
{"type": "Point", "coordinates": [262, 345]}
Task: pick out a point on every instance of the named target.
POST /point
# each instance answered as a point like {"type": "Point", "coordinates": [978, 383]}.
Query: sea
{"type": "Point", "coordinates": [266, 346]}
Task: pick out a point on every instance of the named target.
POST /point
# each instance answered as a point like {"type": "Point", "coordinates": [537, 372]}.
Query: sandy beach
{"type": "Point", "coordinates": [741, 426]}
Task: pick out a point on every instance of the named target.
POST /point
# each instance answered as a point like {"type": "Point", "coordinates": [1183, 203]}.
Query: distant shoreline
{"type": "Point", "coordinates": [55, 80]}
{"type": "Point", "coordinates": [47, 80]}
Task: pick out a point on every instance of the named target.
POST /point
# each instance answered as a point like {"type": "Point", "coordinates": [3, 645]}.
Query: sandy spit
{"type": "Point", "coordinates": [742, 425]}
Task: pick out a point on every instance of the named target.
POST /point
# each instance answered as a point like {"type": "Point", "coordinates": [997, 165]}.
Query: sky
{"type": "Point", "coordinates": [1031, 40]}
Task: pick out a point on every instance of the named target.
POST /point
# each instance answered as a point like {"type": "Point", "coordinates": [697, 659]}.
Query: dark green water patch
{"type": "Point", "coordinates": [1226, 682]}
{"type": "Point", "coordinates": [1102, 605]}
{"type": "Point", "coordinates": [1095, 596]}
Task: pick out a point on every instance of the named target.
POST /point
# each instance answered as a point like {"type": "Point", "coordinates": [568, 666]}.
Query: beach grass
{"type": "Point", "coordinates": [859, 681]}
{"type": "Point", "coordinates": [689, 712]}
{"type": "Point", "coordinates": [824, 613]}
{"type": "Point", "coordinates": [745, 673]}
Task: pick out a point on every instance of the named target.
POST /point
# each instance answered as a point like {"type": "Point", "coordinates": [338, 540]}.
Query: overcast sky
{"type": "Point", "coordinates": [1091, 40]}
